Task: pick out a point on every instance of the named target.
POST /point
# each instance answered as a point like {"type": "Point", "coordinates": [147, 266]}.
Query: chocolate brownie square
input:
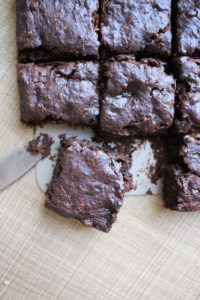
{"type": "Point", "coordinates": [187, 27]}
{"type": "Point", "coordinates": [136, 26]}
{"type": "Point", "coordinates": [87, 185]}
{"type": "Point", "coordinates": [61, 92]}
{"type": "Point", "coordinates": [181, 174]}
{"type": "Point", "coordinates": [138, 98]}
{"type": "Point", "coordinates": [181, 189]}
{"type": "Point", "coordinates": [190, 152]}
{"type": "Point", "coordinates": [188, 95]}
{"type": "Point", "coordinates": [48, 29]}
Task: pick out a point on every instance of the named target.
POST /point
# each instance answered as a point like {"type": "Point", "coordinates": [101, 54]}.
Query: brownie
{"type": "Point", "coordinates": [87, 185]}
{"type": "Point", "coordinates": [187, 27]}
{"type": "Point", "coordinates": [121, 151]}
{"type": "Point", "coordinates": [136, 26]}
{"type": "Point", "coordinates": [188, 95]}
{"type": "Point", "coordinates": [181, 189]}
{"type": "Point", "coordinates": [49, 29]}
{"type": "Point", "coordinates": [138, 98]}
{"type": "Point", "coordinates": [61, 92]}
{"type": "Point", "coordinates": [181, 174]}
{"type": "Point", "coordinates": [190, 152]}
{"type": "Point", "coordinates": [40, 145]}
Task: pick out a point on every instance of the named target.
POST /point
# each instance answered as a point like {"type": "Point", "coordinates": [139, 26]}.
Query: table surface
{"type": "Point", "coordinates": [151, 252]}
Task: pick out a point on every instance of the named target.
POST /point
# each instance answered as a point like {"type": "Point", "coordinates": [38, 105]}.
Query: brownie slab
{"type": "Point", "coordinates": [61, 92]}
{"type": "Point", "coordinates": [188, 95]}
{"type": "Point", "coordinates": [136, 26]}
{"type": "Point", "coordinates": [138, 98]}
{"type": "Point", "coordinates": [48, 29]}
{"type": "Point", "coordinates": [187, 27]}
{"type": "Point", "coordinates": [87, 185]}
{"type": "Point", "coordinates": [181, 189]}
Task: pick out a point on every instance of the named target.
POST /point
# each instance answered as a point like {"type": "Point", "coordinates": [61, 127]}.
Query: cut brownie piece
{"type": "Point", "coordinates": [121, 151]}
{"type": "Point", "coordinates": [188, 95]}
{"type": "Point", "coordinates": [136, 26]}
{"type": "Point", "coordinates": [188, 70]}
{"type": "Point", "coordinates": [187, 27]}
{"type": "Point", "coordinates": [64, 92]}
{"type": "Point", "coordinates": [87, 185]}
{"type": "Point", "coordinates": [187, 112]}
{"type": "Point", "coordinates": [190, 152]}
{"type": "Point", "coordinates": [181, 175]}
{"type": "Point", "coordinates": [181, 189]}
{"type": "Point", "coordinates": [48, 29]}
{"type": "Point", "coordinates": [138, 98]}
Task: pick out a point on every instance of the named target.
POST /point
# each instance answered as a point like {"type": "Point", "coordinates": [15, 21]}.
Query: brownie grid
{"type": "Point", "coordinates": [164, 36]}
{"type": "Point", "coordinates": [144, 28]}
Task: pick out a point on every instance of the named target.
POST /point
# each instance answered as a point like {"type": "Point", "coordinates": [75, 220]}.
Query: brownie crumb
{"type": "Point", "coordinates": [149, 192]}
{"type": "Point", "coordinates": [159, 153]}
{"type": "Point", "coordinates": [42, 144]}
{"type": "Point", "coordinates": [152, 173]}
{"type": "Point", "coordinates": [52, 157]}
{"type": "Point", "coordinates": [62, 137]}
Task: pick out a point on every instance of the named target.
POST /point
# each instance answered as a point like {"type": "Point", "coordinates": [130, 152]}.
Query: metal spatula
{"type": "Point", "coordinates": [15, 165]}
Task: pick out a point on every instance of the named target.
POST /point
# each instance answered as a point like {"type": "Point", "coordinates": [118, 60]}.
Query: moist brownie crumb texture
{"type": "Point", "coordinates": [126, 68]}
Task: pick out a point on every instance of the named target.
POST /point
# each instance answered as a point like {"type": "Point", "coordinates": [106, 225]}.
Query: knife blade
{"type": "Point", "coordinates": [15, 164]}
